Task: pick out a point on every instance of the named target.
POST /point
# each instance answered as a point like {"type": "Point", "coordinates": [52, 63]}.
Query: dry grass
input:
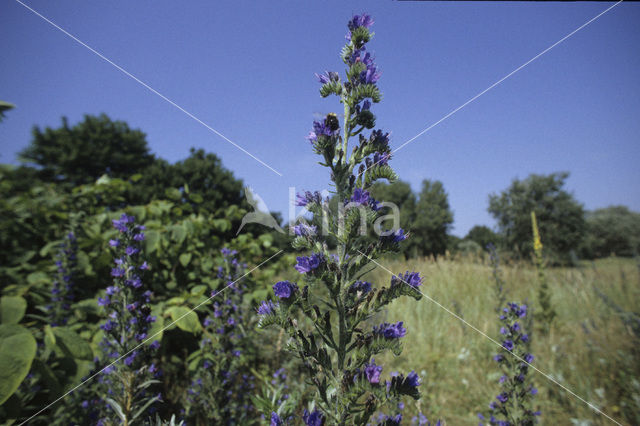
{"type": "Point", "coordinates": [588, 350]}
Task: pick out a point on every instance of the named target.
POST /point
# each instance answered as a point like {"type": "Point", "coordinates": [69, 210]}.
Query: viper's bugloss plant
{"type": "Point", "coordinates": [547, 313]}
{"type": "Point", "coordinates": [337, 348]}
{"type": "Point", "coordinates": [514, 403]}
{"type": "Point", "coordinates": [62, 290]}
{"type": "Point", "coordinates": [221, 384]}
{"type": "Point", "coordinates": [128, 382]}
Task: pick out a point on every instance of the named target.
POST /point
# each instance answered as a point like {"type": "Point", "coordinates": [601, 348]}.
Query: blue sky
{"type": "Point", "coordinates": [247, 70]}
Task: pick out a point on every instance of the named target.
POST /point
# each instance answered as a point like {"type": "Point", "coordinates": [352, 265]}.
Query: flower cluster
{"type": "Point", "coordinates": [220, 383]}
{"type": "Point", "coordinates": [126, 330]}
{"type": "Point", "coordinates": [513, 405]}
{"type": "Point", "coordinates": [330, 339]}
{"type": "Point", "coordinates": [62, 291]}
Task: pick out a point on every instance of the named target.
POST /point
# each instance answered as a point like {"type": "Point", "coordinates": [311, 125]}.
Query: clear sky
{"type": "Point", "coordinates": [247, 70]}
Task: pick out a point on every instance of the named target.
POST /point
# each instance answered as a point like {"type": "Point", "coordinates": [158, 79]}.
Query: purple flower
{"type": "Point", "coordinates": [397, 236]}
{"type": "Point", "coordinates": [534, 391]}
{"type": "Point", "coordinates": [129, 360]}
{"type": "Point", "coordinates": [411, 278]}
{"type": "Point", "coordinates": [508, 345]}
{"type": "Point", "coordinates": [360, 196]}
{"type": "Point", "coordinates": [305, 230]}
{"type": "Point", "coordinates": [307, 198]}
{"type": "Point", "coordinates": [276, 420]}
{"type": "Point", "coordinates": [390, 331]}
{"type": "Point", "coordinates": [308, 264]}
{"type": "Point", "coordinates": [103, 302]}
{"type": "Point", "coordinates": [498, 358]}
{"type": "Point", "coordinates": [524, 338]}
{"type": "Point", "coordinates": [412, 380]}
{"type": "Point", "coordinates": [138, 237]}
{"type": "Point", "coordinates": [134, 282]}
{"type": "Point", "coordinates": [155, 345]}
{"type": "Point", "coordinates": [284, 289]}
{"type": "Point", "coordinates": [360, 286]}
{"type": "Point", "coordinates": [130, 251]}
{"type": "Point", "coordinates": [316, 418]}
{"type": "Point", "coordinates": [327, 77]}
{"type": "Point", "coordinates": [267, 307]}
{"type": "Point", "coordinates": [528, 358]}
{"type": "Point", "coordinates": [370, 76]}
{"type": "Point", "coordinates": [372, 372]}
{"type": "Point", "coordinates": [503, 330]}
{"type": "Point", "coordinates": [381, 159]}
{"type": "Point", "coordinates": [320, 128]}
{"type": "Point", "coordinates": [114, 243]}
{"type": "Point", "coordinates": [111, 290]}
{"type": "Point", "coordinates": [357, 21]}
{"type": "Point", "coordinates": [117, 272]}
{"type": "Point", "coordinates": [503, 397]}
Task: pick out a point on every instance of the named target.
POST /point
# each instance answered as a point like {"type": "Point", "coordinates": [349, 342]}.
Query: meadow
{"type": "Point", "coordinates": [591, 347]}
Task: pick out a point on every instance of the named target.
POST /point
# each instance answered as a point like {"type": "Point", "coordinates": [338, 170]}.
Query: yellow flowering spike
{"type": "Point", "coordinates": [537, 244]}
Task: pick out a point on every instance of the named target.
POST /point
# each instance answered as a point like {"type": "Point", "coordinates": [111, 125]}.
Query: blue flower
{"type": "Point", "coordinates": [390, 331]}
{"type": "Point", "coordinates": [508, 345]}
{"type": "Point", "coordinates": [360, 196]}
{"type": "Point", "coordinates": [284, 289]}
{"type": "Point", "coordinates": [305, 230]}
{"type": "Point", "coordinates": [114, 243]}
{"type": "Point", "coordinates": [267, 307]}
{"type": "Point", "coordinates": [372, 372]}
{"type": "Point", "coordinates": [316, 418]}
{"type": "Point", "coordinates": [307, 198]}
{"type": "Point", "coordinates": [308, 264]}
{"type": "Point", "coordinates": [320, 128]}
{"type": "Point", "coordinates": [357, 21]}
{"type": "Point", "coordinates": [412, 380]}
{"type": "Point", "coordinates": [528, 358]}
{"type": "Point", "coordinates": [360, 286]}
{"type": "Point", "coordinates": [276, 420]}
{"type": "Point", "coordinates": [503, 397]}
{"type": "Point", "coordinates": [411, 278]}
{"type": "Point", "coordinates": [327, 77]}
{"type": "Point", "coordinates": [117, 272]}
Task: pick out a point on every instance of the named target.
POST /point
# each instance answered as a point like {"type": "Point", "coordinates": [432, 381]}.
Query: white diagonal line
{"type": "Point", "coordinates": [502, 79]}
{"type": "Point", "coordinates": [128, 74]}
{"type": "Point", "coordinates": [592, 406]}
{"type": "Point", "coordinates": [151, 337]}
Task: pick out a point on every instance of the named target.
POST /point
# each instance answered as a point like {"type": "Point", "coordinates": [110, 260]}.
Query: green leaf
{"type": "Point", "coordinates": [12, 309]}
{"type": "Point", "coordinates": [152, 239]}
{"type": "Point", "coordinates": [178, 233]}
{"type": "Point", "coordinates": [72, 344]}
{"type": "Point", "coordinates": [185, 319]}
{"type": "Point", "coordinates": [185, 258]}
{"type": "Point", "coordinates": [17, 350]}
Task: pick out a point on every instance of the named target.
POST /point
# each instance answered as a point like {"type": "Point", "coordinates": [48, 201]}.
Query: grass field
{"type": "Point", "coordinates": [591, 348]}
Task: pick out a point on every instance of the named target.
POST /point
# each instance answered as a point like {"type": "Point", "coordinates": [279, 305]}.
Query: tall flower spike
{"type": "Point", "coordinates": [130, 319]}
{"type": "Point", "coordinates": [337, 352]}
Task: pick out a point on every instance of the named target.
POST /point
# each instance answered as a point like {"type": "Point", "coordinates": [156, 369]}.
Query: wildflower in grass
{"type": "Point", "coordinates": [221, 384]}
{"type": "Point", "coordinates": [128, 383]}
{"type": "Point", "coordinates": [547, 313]}
{"type": "Point", "coordinates": [513, 405]}
{"type": "Point", "coordinates": [336, 349]}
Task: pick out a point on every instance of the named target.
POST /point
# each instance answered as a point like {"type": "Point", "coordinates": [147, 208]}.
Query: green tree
{"type": "Point", "coordinates": [427, 218]}
{"type": "Point", "coordinates": [432, 220]}
{"type": "Point", "coordinates": [82, 153]}
{"type": "Point", "coordinates": [612, 230]}
{"type": "Point", "coordinates": [482, 235]}
{"type": "Point", "coordinates": [560, 216]}
{"type": "Point", "coordinates": [200, 182]}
